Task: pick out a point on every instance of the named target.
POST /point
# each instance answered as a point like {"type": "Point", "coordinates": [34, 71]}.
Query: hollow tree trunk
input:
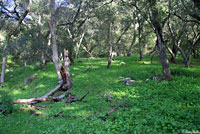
{"type": "Point", "coordinates": [67, 81]}
{"type": "Point", "coordinates": [52, 26]}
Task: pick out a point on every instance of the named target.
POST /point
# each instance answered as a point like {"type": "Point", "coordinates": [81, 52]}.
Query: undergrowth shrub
{"type": "Point", "coordinates": [6, 106]}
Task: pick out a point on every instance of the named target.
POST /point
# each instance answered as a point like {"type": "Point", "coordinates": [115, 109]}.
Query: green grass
{"type": "Point", "coordinates": [143, 108]}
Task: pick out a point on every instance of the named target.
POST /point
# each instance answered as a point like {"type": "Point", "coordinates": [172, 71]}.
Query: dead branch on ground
{"type": "Point", "coordinates": [41, 99]}
{"type": "Point", "coordinates": [87, 69]}
{"type": "Point", "coordinates": [71, 98]}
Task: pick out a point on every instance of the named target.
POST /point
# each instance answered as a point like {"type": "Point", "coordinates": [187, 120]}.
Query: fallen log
{"type": "Point", "coordinates": [64, 84]}
{"type": "Point", "coordinates": [36, 100]}
{"type": "Point", "coordinates": [32, 107]}
{"type": "Point", "coordinates": [87, 69]}
{"type": "Point", "coordinates": [69, 99]}
{"type": "Point", "coordinates": [54, 90]}
{"type": "Point", "coordinates": [49, 93]}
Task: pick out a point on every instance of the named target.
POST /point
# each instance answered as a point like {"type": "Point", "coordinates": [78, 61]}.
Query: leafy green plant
{"type": "Point", "coordinates": [145, 107]}
{"type": "Point", "coordinates": [6, 103]}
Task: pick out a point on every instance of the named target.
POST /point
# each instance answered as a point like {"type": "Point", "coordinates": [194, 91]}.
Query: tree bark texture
{"type": "Point", "coordinates": [158, 26]}
{"type": "Point", "coordinates": [69, 82]}
{"type": "Point", "coordinates": [41, 99]}
{"type": "Point", "coordinates": [3, 70]}
{"type": "Point", "coordinates": [163, 59]}
{"type": "Point", "coordinates": [52, 25]}
{"type": "Point", "coordinates": [140, 38]}
{"type": "Point", "coordinates": [79, 44]}
{"type": "Point", "coordinates": [130, 51]}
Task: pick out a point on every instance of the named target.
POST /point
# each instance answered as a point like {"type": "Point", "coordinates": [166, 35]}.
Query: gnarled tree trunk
{"type": "Point", "coordinates": [158, 26]}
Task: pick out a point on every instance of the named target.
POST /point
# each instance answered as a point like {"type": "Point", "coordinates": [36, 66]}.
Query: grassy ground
{"type": "Point", "coordinates": [142, 108]}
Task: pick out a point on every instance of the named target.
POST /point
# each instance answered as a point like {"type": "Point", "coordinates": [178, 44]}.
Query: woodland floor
{"type": "Point", "coordinates": [146, 107]}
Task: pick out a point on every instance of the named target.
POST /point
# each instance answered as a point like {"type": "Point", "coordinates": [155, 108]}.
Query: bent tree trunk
{"type": "Point", "coordinates": [174, 51]}
{"type": "Point", "coordinates": [173, 55]}
{"type": "Point", "coordinates": [158, 26]}
{"type": "Point", "coordinates": [52, 26]}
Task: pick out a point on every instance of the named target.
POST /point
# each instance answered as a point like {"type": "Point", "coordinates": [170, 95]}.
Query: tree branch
{"type": "Point", "coordinates": [185, 20]}
{"type": "Point", "coordinates": [190, 13]}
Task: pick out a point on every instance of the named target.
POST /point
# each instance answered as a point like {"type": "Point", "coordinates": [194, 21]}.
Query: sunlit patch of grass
{"type": "Point", "coordinates": [66, 108]}
{"type": "Point", "coordinates": [16, 92]}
